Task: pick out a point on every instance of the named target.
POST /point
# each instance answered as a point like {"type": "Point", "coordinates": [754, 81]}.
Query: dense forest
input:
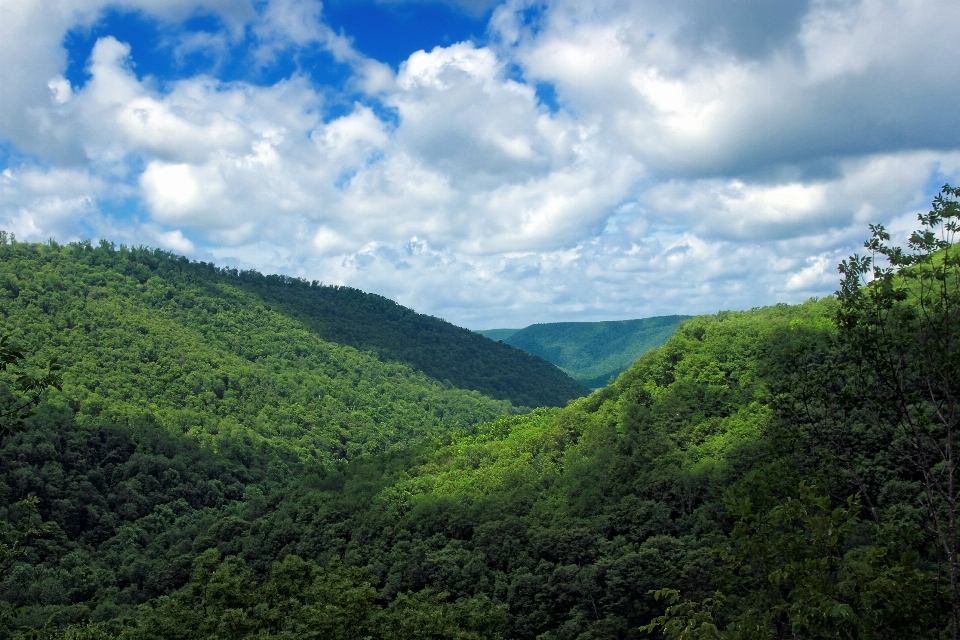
{"type": "Point", "coordinates": [212, 353]}
{"type": "Point", "coordinates": [80, 296]}
{"type": "Point", "coordinates": [445, 352]}
{"type": "Point", "coordinates": [592, 353]}
{"type": "Point", "coordinates": [783, 472]}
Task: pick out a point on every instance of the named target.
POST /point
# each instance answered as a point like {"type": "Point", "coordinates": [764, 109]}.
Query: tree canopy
{"type": "Point", "coordinates": [787, 471]}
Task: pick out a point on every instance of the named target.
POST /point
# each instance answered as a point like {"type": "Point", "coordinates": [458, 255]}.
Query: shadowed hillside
{"type": "Point", "coordinates": [443, 351]}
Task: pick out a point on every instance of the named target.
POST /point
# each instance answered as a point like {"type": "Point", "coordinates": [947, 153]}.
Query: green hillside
{"type": "Point", "coordinates": [140, 327]}
{"type": "Point", "coordinates": [394, 333]}
{"type": "Point", "coordinates": [187, 389]}
{"type": "Point", "coordinates": [591, 352]}
{"type": "Point", "coordinates": [556, 524]}
{"type": "Point", "coordinates": [213, 469]}
{"type": "Point", "coordinates": [143, 335]}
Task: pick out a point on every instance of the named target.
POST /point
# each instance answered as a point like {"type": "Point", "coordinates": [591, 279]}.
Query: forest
{"type": "Point", "coordinates": [210, 459]}
{"type": "Point", "coordinates": [592, 353]}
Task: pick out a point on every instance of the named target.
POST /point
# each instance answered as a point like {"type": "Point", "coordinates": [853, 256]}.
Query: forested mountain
{"type": "Point", "coordinates": [557, 524]}
{"type": "Point", "coordinates": [591, 352]}
{"type": "Point", "coordinates": [394, 333]}
{"type": "Point", "coordinates": [142, 335]}
{"type": "Point", "coordinates": [785, 472]}
{"type": "Point", "coordinates": [147, 327]}
{"type": "Point", "coordinates": [497, 334]}
{"type": "Point", "coordinates": [186, 388]}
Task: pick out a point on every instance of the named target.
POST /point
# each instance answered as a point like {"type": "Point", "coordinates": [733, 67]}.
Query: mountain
{"type": "Point", "coordinates": [690, 472]}
{"type": "Point", "coordinates": [378, 325]}
{"type": "Point", "coordinates": [498, 334]}
{"type": "Point", "coordinates": [143, 331]}
{"type": "Point", "coordinates": [212, 468]}
{"type": "Point", "coordinates": [591, 352]}
{"type": "Point", "coordinates": [188, 389]}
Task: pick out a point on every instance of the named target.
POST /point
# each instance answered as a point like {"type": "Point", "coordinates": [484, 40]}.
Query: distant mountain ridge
{"type": "Point", "coordinates": [591, 352]}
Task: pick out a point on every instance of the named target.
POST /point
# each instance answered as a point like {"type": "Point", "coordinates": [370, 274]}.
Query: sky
{"type": "Point", "coordinates": [492, 164]}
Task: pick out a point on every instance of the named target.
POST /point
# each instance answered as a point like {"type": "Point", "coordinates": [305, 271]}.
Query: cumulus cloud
{"type": "Point", "coordinates": [847, 80]}
{"type": "Point", "coordinates": [40, 203]}
{"type": "Point", "coordinates": [693, 156]}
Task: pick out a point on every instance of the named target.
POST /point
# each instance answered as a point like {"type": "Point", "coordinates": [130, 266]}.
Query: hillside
{"type": "Point", "coordinates": [147, 312]}
{"type": "Point", "coordinates": [541, 513]}
{"type": "Point", "coordinates": [144, 335]}
{"type": "Point", "coordinates": [591, 352]}
{"type": "Point", "coordinates": [497, 334]}
{"type": "Point", "coordinates": [445, 352]}
{"type": "Point", "coordinates": [778, 473]}
{"type": "Point", "coordinates": [187, 389]}
{"type": "Point", "coordinates": [565, 519]}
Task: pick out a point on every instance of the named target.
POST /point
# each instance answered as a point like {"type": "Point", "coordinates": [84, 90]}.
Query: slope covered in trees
{"type": "Point", "coordinates": [143, 335]}
{"type": "Point", "coordinates": [443, 351]}
{"type": "Point", "coordinates": [566, 518]}
{"type": "Point", "coordinates": [785, 472]}
{"type": "Point", "coordinates": [47, 288]}
{"type": "Point", "coordinates": [591, 352]}
{"type": "Point", "coordinates": [187, 389]}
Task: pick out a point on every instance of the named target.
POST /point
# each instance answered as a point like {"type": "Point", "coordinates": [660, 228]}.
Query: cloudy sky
{"type": "Point", "coordinates": [492, 164]}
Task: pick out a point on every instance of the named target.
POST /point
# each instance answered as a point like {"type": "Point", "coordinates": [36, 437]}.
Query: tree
{"type": "Point", "coordinates": [792, 572]}
{"type": "Point", "coordinates": [28, 389]}
{"type": "Point", "coordinates": [899, 323]}
{"type": "Point", "coordinates": [15, 408]}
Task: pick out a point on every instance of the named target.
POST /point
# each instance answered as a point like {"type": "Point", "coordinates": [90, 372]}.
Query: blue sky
{"type": "Point", "coordinates": [495, 164]}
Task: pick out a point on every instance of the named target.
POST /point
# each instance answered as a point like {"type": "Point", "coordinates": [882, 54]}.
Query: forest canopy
{"type": "Point", "coordinates": [787, 471]}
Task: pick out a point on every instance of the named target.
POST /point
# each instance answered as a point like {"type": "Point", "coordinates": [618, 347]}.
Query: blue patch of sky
{"type": "Point", "coordinates": [547, 95]}
{"type": "Point", "coordinates": [155, 51]}
{"type": "Point", "coordinates": [142, 34]}
{"type": "Point", "coordinates": [386, 32]}
{"type": "Point", "coordinates": [622, 215]}
{"type": "Point", "coordinates": [935, 183]}
{"type": "Point", "coordinates": [513, 71]}
{"type": "Point", "coordinates": [390, 32]}
{"type": "Point", "coordinates": [546, 92]}
{"type": "Point", "coordinates": [11, 156]}
{"type": "Point", "coordinates": [344, 180]}
{"type": "Point", "coordinates": [532, 16]}
{"type": "Point", "coordinates": [130, 209]}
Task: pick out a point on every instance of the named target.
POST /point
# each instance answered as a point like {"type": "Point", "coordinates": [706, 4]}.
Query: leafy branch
{"type": "Point", "coordinates": [17, 410]}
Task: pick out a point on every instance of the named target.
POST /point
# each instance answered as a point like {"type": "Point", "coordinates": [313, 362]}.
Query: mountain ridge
{"type": "Point", "coordinates": [592, 353]}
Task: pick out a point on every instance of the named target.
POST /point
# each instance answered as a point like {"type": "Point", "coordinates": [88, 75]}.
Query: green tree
{"type": "Point", "coordinates": [17, 406]}
{"type": "Point", "coordinates": [792, 572]}
{"type": "Point", "coordinates": [301, 599]}
{"type": "Point", "coordinates": [899, 322]}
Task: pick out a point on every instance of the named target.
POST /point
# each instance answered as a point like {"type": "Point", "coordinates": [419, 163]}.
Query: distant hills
{"type": "Point", "coordinates": [590, 352]}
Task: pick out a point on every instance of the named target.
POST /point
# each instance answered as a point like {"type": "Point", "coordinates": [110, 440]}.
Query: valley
{"type": "Point", "coordinates": [239, 455]}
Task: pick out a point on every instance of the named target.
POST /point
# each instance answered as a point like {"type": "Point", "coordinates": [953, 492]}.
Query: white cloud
{"type": "Point", "coordinates": [847, 81]}
{"type": "Point", "coordinates": [704, 155]}
{"type": "Point", "coordinates": [175, 240]}
{"type": "Point", "coordinates": [39, 203]}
